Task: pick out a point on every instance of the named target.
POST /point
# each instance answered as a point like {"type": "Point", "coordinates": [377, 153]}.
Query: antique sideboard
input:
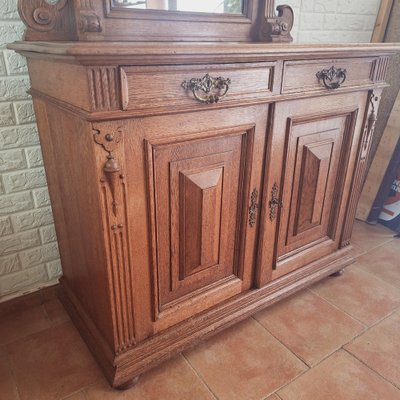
{"type": "Point", "coordinates": [200, 167]}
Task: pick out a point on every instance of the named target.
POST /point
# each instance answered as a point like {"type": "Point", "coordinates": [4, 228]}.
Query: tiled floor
{"type": "Point", "coordinates": [339, 340]}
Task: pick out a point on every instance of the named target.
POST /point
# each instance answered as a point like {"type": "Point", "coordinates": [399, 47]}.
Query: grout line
{"type": "Point", "coordinates": [337, 307]}
{"type": "Point", "coordinates": [375, 276]}
{"type": "Point", "coordinates": [199, 376]}
{"type": "Point", "coordinates": [372, 248]}
{"type": "Point", "coordinates": [283, 344]}
{"type": "Point", "coordinates": [371, 369]}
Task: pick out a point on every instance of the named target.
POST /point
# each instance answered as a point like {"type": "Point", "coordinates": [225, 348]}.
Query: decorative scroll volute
{"type": "Point", "coordinates": [275, 27]}
{"type": "Point", "coordinates": [39, 14]}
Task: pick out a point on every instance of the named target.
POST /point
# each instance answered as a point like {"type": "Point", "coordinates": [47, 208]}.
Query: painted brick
{"type": "Point", "coordinates": [30, 179]}
{"type": "Point", "coordinates": [13, 243]}
{"type": "Point", "coordinates": [41, 197]}
{"type": "Point", "coordinates": [9, 264]}
{"type": "Point", "coordinates": [8, 9]}
{"type": "Point", "coordinates": [24, 112]}
{"type": "Point", "coordinates": [32, 219]}
{"type": "Point", "coordinates": [18, 136]}
{"type": "Point", "coordinates": [307, 5]}
{"type": "Point", "coordinates": [10, 32]}
{"type": "Point", "coordinates": [16, 64]}
{"type": "Point", "coordinates": [345, 22]}
{"type": "Point", "coordinates": [15, 202]}
{"type": "Point", "coordinates": [24, 279]}
{"type": "Point", "coordinates": [34, 156]}
{"type": "Point", "coordinates": [14, 88]}
{"type": "Point", "coordinates": [312, 21]}
{"type": "Point", "coordinates": [11, 160]}
{"type": "Point", "coordinates": [54, 270]}
{"type": "Point", "coordinates": [7, 116]}
{"type": "Point", "coordinates": [358, 7]}
{"type": "Point", "coordinates": [39, 255]}
{"type": "Point", "coordinates": [48, 234]}
{"type": "Point", "coordinates": [3, 70]}
{"type": "Point", "coordinates": [5, 226]}
{"type": "Point", "coordinates": [325, 6]}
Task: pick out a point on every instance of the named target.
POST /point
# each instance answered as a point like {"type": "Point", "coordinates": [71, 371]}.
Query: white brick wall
{"type": "Point", "coordinates": [28, 249]}
{"type": "Point", "coordinates": [333, 21]}
{"type": "Point", "coordinates": [29, 256]}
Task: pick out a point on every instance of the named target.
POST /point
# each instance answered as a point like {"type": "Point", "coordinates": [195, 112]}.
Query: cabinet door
{"type": "Point", "coordinates": [204, 189]}
{"type": "Point", "coordinates": [312, 157]}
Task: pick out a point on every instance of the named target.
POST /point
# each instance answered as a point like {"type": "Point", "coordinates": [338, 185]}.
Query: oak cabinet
{"type": "Point", "coordinates": [193, 184]}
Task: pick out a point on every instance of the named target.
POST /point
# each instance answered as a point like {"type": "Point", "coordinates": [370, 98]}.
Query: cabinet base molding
{"type": "Point", "coordinates": [124, 370]}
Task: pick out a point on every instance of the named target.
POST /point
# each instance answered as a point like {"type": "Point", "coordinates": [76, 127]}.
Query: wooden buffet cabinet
{"type": "Point", "coordinates": [193, 181]}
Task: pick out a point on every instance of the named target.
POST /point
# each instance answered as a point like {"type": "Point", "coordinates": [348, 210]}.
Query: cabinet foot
{"type": "Point", "coordinates": [338, 273]}
{"type": "Point", "coordinates": [129, 384]}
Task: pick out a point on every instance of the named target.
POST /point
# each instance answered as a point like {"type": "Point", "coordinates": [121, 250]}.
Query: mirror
{"type": "Point", "coordinates": [202, 6]}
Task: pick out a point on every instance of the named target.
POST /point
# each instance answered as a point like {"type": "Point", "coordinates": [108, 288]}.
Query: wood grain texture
{"type": "Point", "coordinates": [177, 218]}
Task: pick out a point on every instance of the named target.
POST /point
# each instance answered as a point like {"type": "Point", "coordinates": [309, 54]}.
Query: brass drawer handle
{"type": "Point", "coordinates": [333, 77]}
{"type": "Point", "coordinates": [207, 84]}
{"type": "Point", "coordinates": [274, 203]}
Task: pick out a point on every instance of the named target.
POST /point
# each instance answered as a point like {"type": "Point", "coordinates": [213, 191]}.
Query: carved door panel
{"type": "Point", "coordinates": [204, 190]}
{"type": "Point", "coordinates": [314, 143]}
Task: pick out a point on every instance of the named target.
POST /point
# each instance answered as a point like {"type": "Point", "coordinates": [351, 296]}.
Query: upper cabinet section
{"type": "Point", "coordinates": [157, 20]}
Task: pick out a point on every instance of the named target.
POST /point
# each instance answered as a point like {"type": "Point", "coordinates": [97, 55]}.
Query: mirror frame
{"type": "Point", "coordinates": [101, 20]}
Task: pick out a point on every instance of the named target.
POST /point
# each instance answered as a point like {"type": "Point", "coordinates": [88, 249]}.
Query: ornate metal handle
{"type": "Point", "coordinates": [332, 78]}
{"type": "Point", "coordinates": [207, 84]}
{"type": "Point", "coordinates": [253, 208]}
{"type": "Point", "coordinates": [274, 203]}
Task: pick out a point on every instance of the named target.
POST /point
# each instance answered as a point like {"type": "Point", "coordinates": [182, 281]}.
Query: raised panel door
{"type": "Point", "coordinates": [313, 148]}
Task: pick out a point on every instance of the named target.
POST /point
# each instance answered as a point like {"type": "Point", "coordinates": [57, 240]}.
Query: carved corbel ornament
{"type": "Point", "coordinates": [109, 141]}
{"type": "Point", "coordinates": [275, 28]}
{"type": "Point", "coordinates": [89, 21]}
{"type": "Point", "coordinates": [40, 15]}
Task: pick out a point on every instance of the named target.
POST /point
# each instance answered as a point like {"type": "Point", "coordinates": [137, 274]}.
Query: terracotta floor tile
{"type": "Point", "coordinates": [56, 312]}
{"type": "Point", "coordinates": [8, 387]}
{"type": "Point", "coordinates": [52, 364]}
{"type": "Point", "coordinates": [360, 294]}
{"type": "Point", "coordinates": [20, 324]}
{"type": "Point", "coordinates": [340, 377]}
{"type": "Point", "coordinates": [173, 380]}
{"type": "Point", "coordinates": [309, 326]}
{"type": "Point", "coordinates": [244, 362]}
{"type": "Point", "coordinates": [383, 262]}
{"type": "Point", "coordinates": [379, 348]}
{"type": "Point", "coordinates": [273, 397]}
{"type": "Point", "coordinates": [77, 396]}
{"type": "Point", "coordinates": [366, 237]}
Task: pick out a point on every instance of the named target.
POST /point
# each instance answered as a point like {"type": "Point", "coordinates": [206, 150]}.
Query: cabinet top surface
{"type": "Point", "coordinates": [198, 51]}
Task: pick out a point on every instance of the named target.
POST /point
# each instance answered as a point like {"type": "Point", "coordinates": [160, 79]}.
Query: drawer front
{"type": "Point", "coordinates": [300, 76]}
{"type": "Point", "coordinates": [154, 88]}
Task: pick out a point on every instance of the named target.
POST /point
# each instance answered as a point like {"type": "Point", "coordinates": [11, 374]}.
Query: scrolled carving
{"type": "Point", "coordinates": [40, 15]}
{"type": "Point", "coordinates": [276, 28]}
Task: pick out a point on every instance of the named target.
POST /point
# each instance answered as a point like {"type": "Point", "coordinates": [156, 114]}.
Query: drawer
{"type": "Point", "coordinates": [153, 88]}
{"type": "Point", "coordinates": [300, 76]}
